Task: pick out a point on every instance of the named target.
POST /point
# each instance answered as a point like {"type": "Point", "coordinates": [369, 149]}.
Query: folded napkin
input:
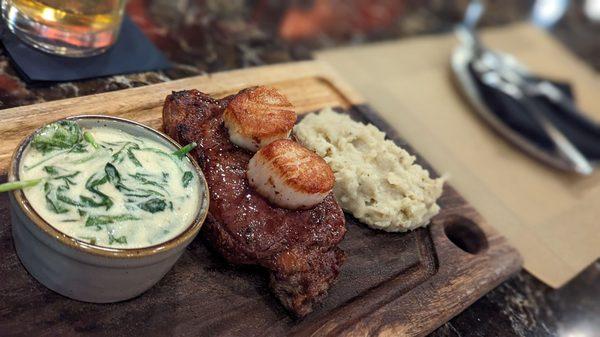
{"type": "Point", "coordinates": [582, 132]}
{"type": "Point", "coordinates": [132, 53]}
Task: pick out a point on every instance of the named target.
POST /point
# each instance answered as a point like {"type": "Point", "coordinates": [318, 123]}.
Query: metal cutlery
{"type": "Point", "coordinates": [504, 73]}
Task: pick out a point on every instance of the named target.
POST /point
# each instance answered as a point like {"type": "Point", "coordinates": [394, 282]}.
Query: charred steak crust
{"type": "Point", "coordinates": [299, 248]}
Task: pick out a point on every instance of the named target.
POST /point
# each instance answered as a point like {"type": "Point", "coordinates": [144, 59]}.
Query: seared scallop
{"type": "Point", "coordinates": [257, 116]}
{"type": "Point", "coordinates": [290, 175]}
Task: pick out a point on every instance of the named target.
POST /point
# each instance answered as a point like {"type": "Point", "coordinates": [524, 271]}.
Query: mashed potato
{"type": "Point", "coordinates": [376, 181]}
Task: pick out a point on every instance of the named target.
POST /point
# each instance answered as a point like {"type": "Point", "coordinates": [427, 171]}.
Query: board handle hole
{"type": "Point", "coordinates": [466, 235]}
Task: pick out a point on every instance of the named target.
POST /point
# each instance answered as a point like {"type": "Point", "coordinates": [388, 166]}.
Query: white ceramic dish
{"type": "Point", "coordinates": [86, 272]}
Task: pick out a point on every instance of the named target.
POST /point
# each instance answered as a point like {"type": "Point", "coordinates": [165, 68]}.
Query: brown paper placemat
{"type": "Point", "coordinates": [552, 217]}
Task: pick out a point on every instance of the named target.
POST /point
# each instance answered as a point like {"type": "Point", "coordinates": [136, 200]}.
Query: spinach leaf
{"type": "Point", "coordinates": [51, 170]}
{"type": "Point", "coordinates": [112, 174]}
{"type": "Point", "coordinates": [58, 173]}
{"type": "Point", "coordinates": [92, 185]}
{"type": "Point", "coordinates": [145, 179]}
{"type": "Point", "coordinates": [84, 201]}
{"type": "Point", "coordinates": [143, 193]}
{"type": "Point", "coordinates": [127, 149]}
{"type": "Point", "coordinates": [84, 159]}
{"type": "Point", "coordinates": [153, 205]}
{"type": "Point", "coordinates": [187, 178]}
{"type": "Point", "coordinates": [114, 177]}
{"type": "Point", "coordinates": [60, 195]}
{"type": "Point", "coordinates": [56, 136]}
{"type": "Point", "coordinates": [133, 158]}
{"type": "Point", "coordinates": [99, 220]}
{"type": "Point", "coordinates": [90, 202]}
{"type": "Point", "coordinates": [112, 239]}
{"type": "Point", "coordinates": [78, 148]}
{"type": "Point", "coordinates": [51, 199]}
{"type": "Point", "coordinates": [67, 178]}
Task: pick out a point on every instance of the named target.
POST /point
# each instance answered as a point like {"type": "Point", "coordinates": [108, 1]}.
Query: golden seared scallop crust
{"type": "Point", "coordinates": [259, 115]}
{"type": "Point", "coordinates": [298, 167]}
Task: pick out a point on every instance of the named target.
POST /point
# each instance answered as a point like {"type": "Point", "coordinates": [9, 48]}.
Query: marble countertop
{"type": "Point", "coordinates": [206, 36]}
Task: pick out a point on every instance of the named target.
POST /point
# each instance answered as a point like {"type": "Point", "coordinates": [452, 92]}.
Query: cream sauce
{"type": "Point", "coordinates": [154, 200]}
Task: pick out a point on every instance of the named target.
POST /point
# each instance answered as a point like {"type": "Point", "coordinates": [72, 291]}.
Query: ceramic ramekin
{"type": "Point", "coordinates": [86, 272]}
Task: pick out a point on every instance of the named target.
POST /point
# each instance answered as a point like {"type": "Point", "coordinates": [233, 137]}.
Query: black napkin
{"type": "Point", "coordinates": [582, 132]}
{"type": "Point", "coordinates": [132, 52]}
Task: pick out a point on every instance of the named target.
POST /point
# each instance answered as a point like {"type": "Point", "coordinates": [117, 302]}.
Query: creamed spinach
{"type": "Point", "coordinates": [109, 188]}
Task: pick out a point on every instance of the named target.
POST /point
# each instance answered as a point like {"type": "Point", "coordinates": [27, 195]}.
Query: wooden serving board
{"type": "Point", "coordinates": [391, 284]}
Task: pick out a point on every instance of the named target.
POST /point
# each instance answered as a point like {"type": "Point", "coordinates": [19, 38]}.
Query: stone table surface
{"type": "Point", "coordinates": [212, 35]}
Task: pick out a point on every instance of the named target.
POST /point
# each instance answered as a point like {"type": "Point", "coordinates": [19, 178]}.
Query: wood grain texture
{"type": "Point", "coordinates": [390, 285]}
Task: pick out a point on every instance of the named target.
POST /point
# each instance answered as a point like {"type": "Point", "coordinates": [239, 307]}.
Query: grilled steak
{"type": "Point", "coordinates": [298, 248]}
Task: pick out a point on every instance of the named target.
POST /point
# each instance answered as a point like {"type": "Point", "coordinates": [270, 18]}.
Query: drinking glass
{"type": "Point", "coordinates": [75, 28]}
